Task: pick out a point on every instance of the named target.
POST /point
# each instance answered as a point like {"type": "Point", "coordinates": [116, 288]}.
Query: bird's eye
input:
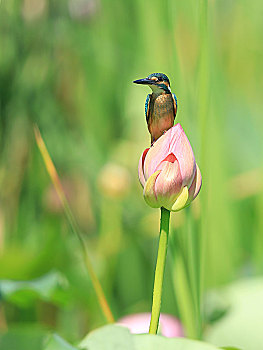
{"type": "Point", "coordinates": [160, 79]}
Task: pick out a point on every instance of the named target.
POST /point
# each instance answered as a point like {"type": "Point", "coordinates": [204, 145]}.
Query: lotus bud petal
{"type": "Point", "coordinates": [196, 185]}
{"type": "Point", "coordinates": [168, 171]}
{"type": "Point", "coordinates": [141, 167]}
{"type": "Point", "coordinates": [181, 200]}
{"type": "Point", "coordinates": [149, 191]}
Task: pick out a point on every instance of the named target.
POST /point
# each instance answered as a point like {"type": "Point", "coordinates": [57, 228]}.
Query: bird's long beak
{"type": "Point", "coordinates": [144, 81]}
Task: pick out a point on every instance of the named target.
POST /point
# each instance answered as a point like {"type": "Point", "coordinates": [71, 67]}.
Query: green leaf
{"type": "Point", "coordinates": [242, 325]}
{"type": "Point", "coordinates": [114, 337]}
{"type": "Point", "coordinates": [21, 293]}
{"type": "Point", "coordinates": [229, 348]}
{"type": "Point", "coordinates": [109, 337]}
{"type": "Point", "coordinates": [153, 342]}
{"type": "Point", "coordinates": [55, 342]}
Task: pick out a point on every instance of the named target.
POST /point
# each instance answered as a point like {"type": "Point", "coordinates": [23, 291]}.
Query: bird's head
{"type": "Point", "coordinates": [158, 82]}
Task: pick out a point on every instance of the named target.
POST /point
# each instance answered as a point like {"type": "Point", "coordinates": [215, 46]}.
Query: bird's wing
{"type": "Point", "coordinates": [147, 107]}
{"type": "Point", "coordinates": [175, 104]}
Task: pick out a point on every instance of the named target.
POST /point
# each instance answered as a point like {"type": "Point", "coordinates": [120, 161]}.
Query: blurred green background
{"type": "Point", "coordinates": [68, 66]}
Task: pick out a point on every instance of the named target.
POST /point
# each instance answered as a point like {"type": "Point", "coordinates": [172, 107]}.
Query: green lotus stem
{"type": "Point", "coordinates": [159, 270]}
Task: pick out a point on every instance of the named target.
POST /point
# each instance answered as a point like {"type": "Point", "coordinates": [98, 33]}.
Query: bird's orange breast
{"type": "Point", "coordinates": [161, 115]}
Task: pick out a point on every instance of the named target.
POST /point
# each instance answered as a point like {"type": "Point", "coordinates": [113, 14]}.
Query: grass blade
{"type": "Point", "coordinates": [73, 224]}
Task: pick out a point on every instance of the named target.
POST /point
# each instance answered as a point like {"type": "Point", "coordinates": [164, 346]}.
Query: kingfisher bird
{"type": "Point", "coordinates": [160, 105]}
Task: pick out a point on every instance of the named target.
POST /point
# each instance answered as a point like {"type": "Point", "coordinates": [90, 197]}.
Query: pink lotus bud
{"type": "Point", "coordinates": [168, 171]}
{"type": "Point", "coordinates": [169, 326]}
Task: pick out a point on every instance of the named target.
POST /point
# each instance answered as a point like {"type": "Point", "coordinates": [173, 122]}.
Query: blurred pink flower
{"type": "Point", "coordinates": [169, 326]}
{"type": "Point", "coordinates": [168, 171]}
